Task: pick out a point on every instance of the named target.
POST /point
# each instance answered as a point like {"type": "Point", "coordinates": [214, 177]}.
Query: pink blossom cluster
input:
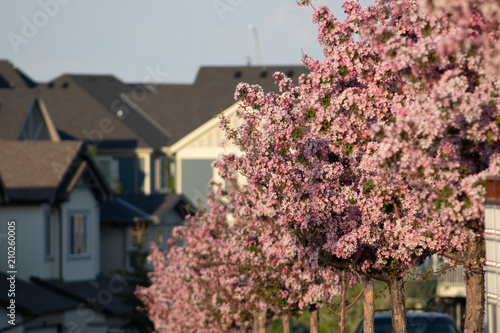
{"type": "Point", "coordinates": [232, 261]}
{"type": "Point", "coordinates": [376, 156]}
{"type": "Point", "coordinates": [370, 162]}
{"type": "Point", "coordinates": [446, 131]}
{"type": "Point", "coordinates": [310, 148]}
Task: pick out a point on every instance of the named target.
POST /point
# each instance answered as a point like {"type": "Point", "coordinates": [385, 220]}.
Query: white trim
{"type": "Point", "coordinates": [88, 220]}
{"type": "Point", "coordinates": [143, 150]}
{"type": "Point", "coordinates": [178, 174]}
{"type": "Point", "coordinates": [200, 131]}
{"type": "Point", "coordinates": [204, 153]}
{"type": "Point", "coordinates": [53, 134]}
{"type": "Point", "coordinates": [146, 189]}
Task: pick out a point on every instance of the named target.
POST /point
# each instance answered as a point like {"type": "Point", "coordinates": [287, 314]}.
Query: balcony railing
{"type": "Point", "coordinates": [451, 284]}
{"type": "Point", "coordinates": [453, 276]}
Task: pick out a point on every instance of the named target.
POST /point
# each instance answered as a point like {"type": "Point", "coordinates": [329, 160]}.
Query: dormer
{"type": "Point", "coordinates": [37, 124]}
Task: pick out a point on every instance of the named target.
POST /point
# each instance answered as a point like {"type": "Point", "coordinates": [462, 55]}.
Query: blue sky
{"type": "Point", "coordinates": [132, 39]}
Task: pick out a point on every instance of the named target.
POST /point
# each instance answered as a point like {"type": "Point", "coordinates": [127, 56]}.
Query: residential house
{"type": "Point", "coordinates": [155, 215]}
{"type": "Point", "coordinates": [492, 264]}
{"type": "Point", "coordinates": [189, 114]}
{"type": "Point", "coordinates": [100, 110]}
{"type": "Point", "coordinates": [124, 141]}
{"type": "Point", "coordinates": [50, 198]}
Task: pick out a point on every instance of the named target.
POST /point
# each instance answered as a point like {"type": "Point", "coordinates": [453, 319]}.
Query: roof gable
{"type": "Point", "coordinates": [23, 110]}
{"type": "Point", "coordinates": [181, 109]}
{"type": "Point", "coordinates": [79, 104]}
{"type": "Point", "coordinates": [45, 171]}
{"type": "Point", "coordinates": [203, 130]}
{"type": "Point", "coordinates": [38, 125]}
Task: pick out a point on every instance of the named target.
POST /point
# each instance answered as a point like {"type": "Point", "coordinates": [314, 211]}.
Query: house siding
{"type": "Point", "coordinates": [492, 266]}
{"type": "Point", "coordinates": [86, 267]}
{"type": "Point", "coordinates": [196, 174]}
{"type": "Point", "coordinates": [29, 245]}
{"type": "Point", "coordinates": [168, 222]}
{"type": "Point", "coordinates": [50, 266]}
{"type": "Point", "coordinates": [194, 155]}
{"type": "Point", "coordinates": [112, 249]}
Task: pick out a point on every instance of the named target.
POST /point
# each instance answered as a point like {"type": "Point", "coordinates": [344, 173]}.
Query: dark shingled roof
{"type": "Point", "coordinates": [112, 115]}
{"type": "Point", "coordinates": [118, 211]}
{"type": "Point", "coordinates": [36, 164]}
{"type": "Point", "coordinates": [159, 204]}
{"type": "Point", "coordinates": [93, 293]}
{"type": "Point", "coordinates": [78, 115]}
{"type": "Point", "coordinates": [32, 299]}
{"type": "Point", "coordinates": [181, 109]}
{"type": "Point", "coordinates": [115, 96]}
{"type": "Point", "coordinates": [12, 77]}
{"type": "Point", "coordinates": [40, 171]}
{"type": "Point", "coordinates": [78, 105]}
{"type": "Point", "coordinates": [14, 107]}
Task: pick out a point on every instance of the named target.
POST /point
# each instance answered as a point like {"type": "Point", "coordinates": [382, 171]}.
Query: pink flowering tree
{"type": "Point", "coordinates": [268, 255]}
{"type": "Point", "coordinates": [235, 263]}
{"type": "Point", "coordinates": [376, 158]}
{"type": "Point", "coordinates": [194, 287]}
{"type": "Point", "coordinates": [445, 137]}
{"type": "Point", "coordinates": [311, 148]}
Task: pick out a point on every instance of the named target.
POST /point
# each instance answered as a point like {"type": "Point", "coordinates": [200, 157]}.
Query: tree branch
{"type": "Point", "coordinates": [453, 256]}
{"type": "Point", "coordinates": [396, 211]}
{"type": "Point", "coordinates": [355, 300]}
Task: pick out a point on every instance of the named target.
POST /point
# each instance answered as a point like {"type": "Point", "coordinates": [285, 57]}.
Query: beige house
{"type": "Point", "coordinates": [194, 154]}
{"type": "Point", "coordinates": [492, 265]}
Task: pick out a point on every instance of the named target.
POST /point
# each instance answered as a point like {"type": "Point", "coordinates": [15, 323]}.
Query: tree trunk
{"type": "Point", "coordinates": [260, 321]}
{"type": "Point", "coordinates": [397, 291]}
{"type": "Point", "coordinates": [474, 288]}
{"type": "Point", "coordinates": [369, 307]}
{"type": "Point", "coordinates": [285, 319]}
{"type": "Point", "coordinates": [314, 321]}
{"type": "Point", "coordinates": [343, 299]}
{"type": "Point", "coordinates": [255, 325]}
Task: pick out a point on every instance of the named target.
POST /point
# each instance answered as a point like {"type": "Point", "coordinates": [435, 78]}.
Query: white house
{"type": "Point", "coordinates": [492, 265]}
{"type": "Point", "coordinates": [50, 194]}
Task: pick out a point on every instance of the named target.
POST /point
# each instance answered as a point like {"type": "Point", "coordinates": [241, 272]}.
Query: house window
{"type": "Point", "coordinates": [109, 168]}
{"type": "Point", "coordinates": [158, 237]}
{"type": "Point", "coordinates": [49, 236]}
{"type": "Point", "coordinates": [79, 234]}
{"type": "Point", "coordinates": [164, 175]}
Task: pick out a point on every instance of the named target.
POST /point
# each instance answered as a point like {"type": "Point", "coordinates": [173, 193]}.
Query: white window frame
{"type": "Point", "coordinates": [163, 168]}
{"type": "Point", "coordinates": [114, 170]}
{"type": "Point", "coordinates": [86, 232]}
